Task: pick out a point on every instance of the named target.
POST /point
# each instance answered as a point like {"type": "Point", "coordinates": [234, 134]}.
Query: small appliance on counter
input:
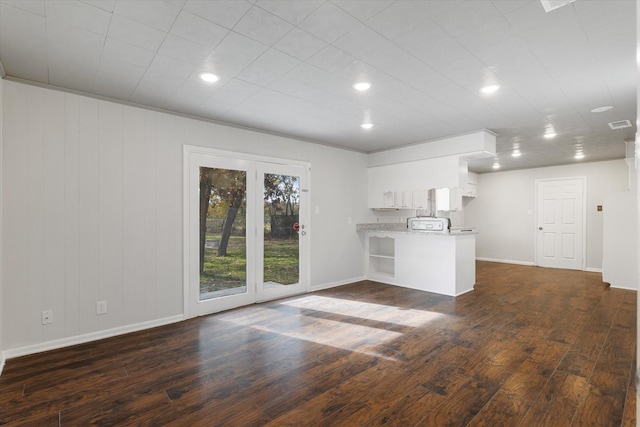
{"type": "Point", "coordinates": [429, 224]}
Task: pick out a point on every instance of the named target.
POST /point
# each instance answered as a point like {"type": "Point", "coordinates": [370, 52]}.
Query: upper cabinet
{"type": "Point", "coordinates": [471, 187]}
{"type": "Point", "coordinates": [403, 183]}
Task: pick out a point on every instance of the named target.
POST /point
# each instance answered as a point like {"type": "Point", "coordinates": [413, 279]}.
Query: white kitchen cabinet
{"type": "Point", "coordinates": [403, 199]}
{"type": "Point", "coordinates": [388, 199]}
{"type": "Point", "coordinates": [444, 264]}
{"type": "Point", "coordinates": [431, 173]}
{"type": "Point", "coordinates": [421, 199]}
{"type": "Point", "coordinates": [471, 187]}
{"type": "Point", "coordinates": [449, 199]}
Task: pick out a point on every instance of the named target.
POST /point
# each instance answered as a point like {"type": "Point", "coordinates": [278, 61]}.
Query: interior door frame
{"type": "Point", "coordinates": [187, 151]}
{"type": "Point", "coordinates": [584, 216]}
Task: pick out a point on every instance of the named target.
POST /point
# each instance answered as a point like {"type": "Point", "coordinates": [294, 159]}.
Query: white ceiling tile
{"type": "Point", "coordinates": [32, 6]}
{"type": "Point", "coordinates": [221, 12]}
{"type": "Point", "coordinates": [262, 26]}
{"type": "Point", "coordinates": [108, 5]}
{"type": "Point", "coordinates": [81, 15]}
{"type": "Point", "coordinates": [291, 11]}
{"type": "Point", "coordinates": [178, 3]}
{"type": "Point", "coordinates": [331, 59]}
{"type": "Point", "coordinates": [189, 96]}
{"type": "Point", "coordinates": [21, 21]}
{"type": "Point", "coordinates": [77, 45]}
{"type": "Point", "coordinates": [157, 14]}
{"type": "Point", "coordinates": [476, 15]}
{"type": "Point", "coordinates": [363, 9]}
{"type": "Point", "coordinates": [118, 81]}
{"type": "Point", "coordinates": [329, 23]}
{"type": "Point", "coordinates": [162, 64]}
{"type": "Point", "coordinates": [300, 44]}
{"type": "Point", "coordinates": [233, 54]}
{"type": "Point", "coordinates": [184, 50]}
{"type": "Point", "coordinates": [24, 56]}
{"type": "Point", "coordinates": [117, 52]}
{"type": "Point", "coordinates": [594, 14]}
{"type": "Point", "coordinates": [506, 6]}
{"type": "Point", "coordinates": [399, 19]}
{"type": "Point", "coordinates": [155, 89]}
{"type": "Point", "coordinates": [229, 95]}
{"type": "Point", "coordinates": [131, 32]}
{"type": "Point", "coordinates": [552, 67]}
{"type": "Point", "coordinates": [360, 41]}
{"type": "Point", "coordinates": [198, 30]}
{"type": "Point", "coordinates": [269, 66]}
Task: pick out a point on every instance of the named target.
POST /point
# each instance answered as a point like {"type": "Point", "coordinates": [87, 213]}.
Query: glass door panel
{"type": "Point", "coordinates": [220, 248]}
{"type": "Point", "coordinates": [283, 232]}
{"type": "Point", "coordinates": [223, 232]}
{"type": "Point", "coordinates": [246, 231]}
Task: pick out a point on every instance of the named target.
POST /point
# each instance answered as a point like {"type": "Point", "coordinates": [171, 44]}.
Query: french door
{"type": "Point", "coordinates": [246, 230]}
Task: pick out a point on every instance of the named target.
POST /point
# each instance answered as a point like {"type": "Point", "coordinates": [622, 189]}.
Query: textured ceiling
{"type": "Point", "coordinates": [288, 67]}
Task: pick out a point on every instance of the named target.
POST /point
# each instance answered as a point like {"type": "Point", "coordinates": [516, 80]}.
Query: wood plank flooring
{"type": "Point", "coordinates": [528, 347]}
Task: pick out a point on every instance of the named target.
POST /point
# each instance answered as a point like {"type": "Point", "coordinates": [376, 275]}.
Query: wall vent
{"type": "Point", "coordinates": [550, 5]}
{"type": "Point", "coordinates": [620, 124]}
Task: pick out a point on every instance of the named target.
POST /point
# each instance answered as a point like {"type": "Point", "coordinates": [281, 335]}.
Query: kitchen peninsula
{"type": "Point", "coordinates": [443, 263]}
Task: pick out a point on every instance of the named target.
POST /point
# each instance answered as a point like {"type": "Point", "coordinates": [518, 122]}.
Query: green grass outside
{"type": "Point", "coordinates": [280, 263]}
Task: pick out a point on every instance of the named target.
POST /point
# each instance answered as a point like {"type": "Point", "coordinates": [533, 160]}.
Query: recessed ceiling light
{"type": "Point", "coordinates": [208, 77]}
{"type": "Point", "coordinates": [602, 109]}
{"type": "Point", "coordinates": [362, 86]}
{"type": "Point", "coordinates": [516, 153]}
{"type": "Point", "coordinates": [366, 125]}
{"type": "Point", "coordinates": [489, 89]}
{"type": "Point", "coordinates": [579, 155]}
{"type": "Point", "coordinates": [496, 165]}
{"type": "Point", "coordinates": [550, 135]}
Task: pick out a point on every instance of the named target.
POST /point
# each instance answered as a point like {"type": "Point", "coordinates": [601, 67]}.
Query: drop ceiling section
{"type": "Point", "coordinates": [288, 67]}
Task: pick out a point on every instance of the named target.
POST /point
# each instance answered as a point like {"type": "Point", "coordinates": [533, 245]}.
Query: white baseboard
{"type": "Point", "coordinates": [624, 287]}
{"type": "Point", "coordinates": [506, 261]}
{"type": "Point", "coordinates": [339, 283]}
{"type": "Point", "coordinates": [593, 270]}
{"type": "Point", "coordinates": [93, 336]}
{"type": "Point", "coordinates": [2, 361]}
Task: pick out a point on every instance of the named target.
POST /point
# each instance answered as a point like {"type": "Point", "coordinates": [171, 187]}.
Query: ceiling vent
{"type": "Point", "coordinates": [620, 124]}
{"type": "Point", "coordinates": [550, 5]}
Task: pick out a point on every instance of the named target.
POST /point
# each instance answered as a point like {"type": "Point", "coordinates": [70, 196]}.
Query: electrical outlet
{"type": "Point", "coordinates": [101, 307]}
{"type": "Point", "coordinates": [47, 317]}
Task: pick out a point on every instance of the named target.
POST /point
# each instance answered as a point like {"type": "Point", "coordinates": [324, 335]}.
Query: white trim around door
{"type": "Point", "coordinates": [561, 221]}
{"type": "Point", "coordinates": [251, 169]}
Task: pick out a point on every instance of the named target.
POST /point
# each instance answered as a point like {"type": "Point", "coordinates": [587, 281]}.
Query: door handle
{"type": "Point", "coordinates": [539, 228]}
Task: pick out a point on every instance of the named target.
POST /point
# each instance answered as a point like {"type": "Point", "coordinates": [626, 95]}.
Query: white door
{"type": "Point", "coordinates": [238, 248]}
{"type": "Point", "coordinates": [560, 218]}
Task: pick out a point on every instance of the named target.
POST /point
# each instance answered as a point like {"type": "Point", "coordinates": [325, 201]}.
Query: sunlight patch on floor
{"type": "Point", "coordinates": [366, 310]}
{"type": "Point", "coordinates": [347, 336]}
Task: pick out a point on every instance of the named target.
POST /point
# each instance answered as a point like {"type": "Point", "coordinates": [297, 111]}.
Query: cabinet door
{"type": "Point", "coordinates": [388, 199]}
{"type": "Point", "coordinates": [420, 199]}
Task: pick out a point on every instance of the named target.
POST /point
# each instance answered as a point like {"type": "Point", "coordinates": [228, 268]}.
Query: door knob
{"type": "Point", "coordinates": [539, 228]}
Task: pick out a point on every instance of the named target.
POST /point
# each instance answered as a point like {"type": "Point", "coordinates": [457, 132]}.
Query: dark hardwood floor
{"type": "Point", "coordinates": [528, 347]}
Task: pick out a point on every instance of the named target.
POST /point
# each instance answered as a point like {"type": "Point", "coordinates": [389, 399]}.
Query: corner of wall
{"type": "Point", "coordinates": [2, 356]}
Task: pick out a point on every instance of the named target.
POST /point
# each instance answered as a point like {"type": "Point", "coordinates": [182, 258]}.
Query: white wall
{"type": "Point", "coordinates": [1, 185]}
{"type": "Point", "coordinates": [501, 210]}
{"type": "Point", "coordinates": [93, 211]}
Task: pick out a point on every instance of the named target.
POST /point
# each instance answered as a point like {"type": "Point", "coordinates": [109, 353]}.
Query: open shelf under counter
{"type": "Point", "coordinates": [439, 263]}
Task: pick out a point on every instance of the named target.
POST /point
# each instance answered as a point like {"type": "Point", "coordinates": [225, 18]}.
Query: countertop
{"type": "Point", "coordinates": [402, 228]}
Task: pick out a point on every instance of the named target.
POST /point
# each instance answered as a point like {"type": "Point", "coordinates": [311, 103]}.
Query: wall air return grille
{"type": "Point", "coordinates": [550, 5]}
{"type": "Point", "coordinates": [620, 124]}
